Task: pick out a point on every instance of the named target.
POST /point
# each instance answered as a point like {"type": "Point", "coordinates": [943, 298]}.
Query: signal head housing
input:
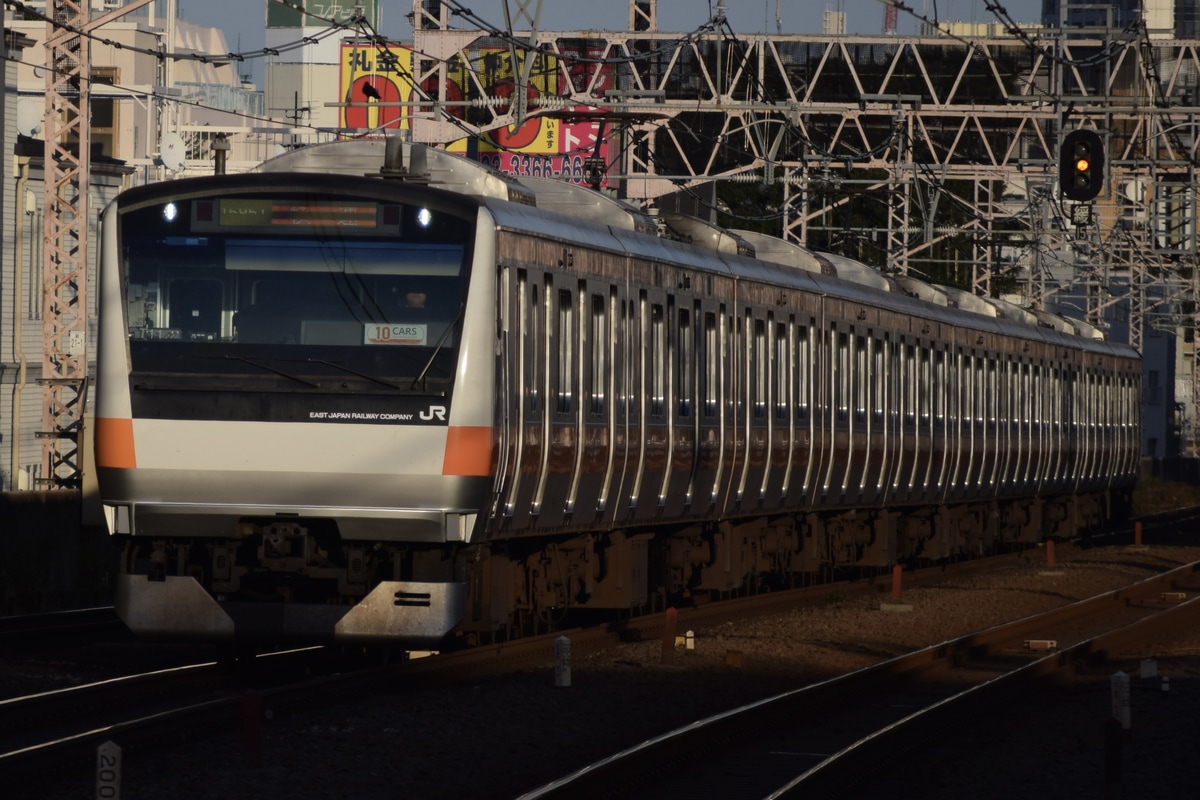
{"type": "Point", "coordinates": [1081, 165]}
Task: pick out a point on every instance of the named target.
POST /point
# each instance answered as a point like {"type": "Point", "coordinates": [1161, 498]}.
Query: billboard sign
{"type": "Point", "coordinates": [374, 75]}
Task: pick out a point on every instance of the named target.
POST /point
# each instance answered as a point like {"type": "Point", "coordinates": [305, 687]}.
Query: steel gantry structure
{"type": "Point", "coordinates": [912, 153]}
{"type": "Point", "coordinates": [67, 159]}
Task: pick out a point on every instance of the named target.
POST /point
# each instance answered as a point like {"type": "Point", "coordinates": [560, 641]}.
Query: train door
{"type": "Point", "coordinates": [1004, 433]}
{"type": "Point", "coordinates": [1057, 407]}
{"type": "Point", "coordinates": [1037, 450]}
{"type": "Point", "coordinates": [651, 398]}
{"type": "Point", "coordinates": [781, 409]}
{"type": "Point", "coordinates": [958, 408]}
{"type": "Point", "coordinates": [706, 469]}
{"type": "Point", "coordinates": [924, 477]}
{"type": "Point", "coordinates": [630, 444]}
{"type": "Point", "coordinates": [592, 472]}
{"type": "Point", "coordinates": [1130, 416]}
{"type": "Point", "coordinates": [511, 411]}
{"type": "Point", "coordinates": [1026, 475]}
{"type": "Point", "coordinates": [733, 448]}
{"type": "Point", "coordinates": [680, 407]}
{"type": "Point", "coordinates": [802, 469]}
{"type": "Point", "coordinates": [1092, 412]}
{"type": "Point", "coordinates": [1101, 462]}
{"type": "Point", "coordinates": [879, 458]}
{"type": "Point", "coordinates": [893, 411]}
{"type": "Point", "coordinates": [561, 336]}
{"type": "Point", "coordinates": [944, 433]}
{"type": "Point", "coordinates": [614, 415]}
{"type": "Point", "coordinates": [837, 423]}
{"type": "Point", "coordinates": [754, 400]}
{"type": "Point", "coordinates": [994, 403]}
{"type": "Point", "coordinates": [972, 420]}
{"type": "Point", "coordinates": [904, 441]}
{"type": "Point", "coordinates": [1116, 441]}
{"type": "Point", "coordinates": [821, 338]}
{"type": "Point", "coordinates": [525, 384]}
{"type": "Point", "coordinates": [859, 418]}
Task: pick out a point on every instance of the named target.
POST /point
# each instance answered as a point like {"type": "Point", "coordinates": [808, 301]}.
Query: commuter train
{"type": "Point", "coordinates": [376, 393]}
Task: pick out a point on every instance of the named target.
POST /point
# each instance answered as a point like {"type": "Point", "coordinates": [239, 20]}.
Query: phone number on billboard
{"type": "Point", "coordinates": [560, 167]}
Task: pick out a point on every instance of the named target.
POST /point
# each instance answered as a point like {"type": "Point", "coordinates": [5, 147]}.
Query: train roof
{"type": "Point", "coordinates": [613, 224]}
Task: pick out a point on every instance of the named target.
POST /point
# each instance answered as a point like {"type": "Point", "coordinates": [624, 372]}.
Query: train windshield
{"type": "Point", "coordinates": [301, 290]}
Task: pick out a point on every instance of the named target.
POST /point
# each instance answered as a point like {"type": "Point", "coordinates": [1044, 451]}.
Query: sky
{"type": "Point", "coordinates": [243, 20]}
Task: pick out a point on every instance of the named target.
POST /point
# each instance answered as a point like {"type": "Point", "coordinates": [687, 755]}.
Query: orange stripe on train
{"type": "Point", "coordinates": [468, 451]}
{"type": "Point", "coordinates": [114, 443]}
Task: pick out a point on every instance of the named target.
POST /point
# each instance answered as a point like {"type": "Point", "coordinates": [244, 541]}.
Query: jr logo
{"type": "Point", "coordinates": [434, 412]}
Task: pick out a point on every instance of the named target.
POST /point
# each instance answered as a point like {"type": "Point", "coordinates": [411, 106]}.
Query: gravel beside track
{"type": "Point", "coordinates": [503, 736]}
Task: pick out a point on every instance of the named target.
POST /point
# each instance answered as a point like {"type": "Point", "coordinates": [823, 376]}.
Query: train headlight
{"type": "Point", "coordinates": [170, 211]}
{"type": "Point", "coordinates": [424, 217]}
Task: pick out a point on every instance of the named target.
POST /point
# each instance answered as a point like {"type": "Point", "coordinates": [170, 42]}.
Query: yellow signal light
{"type": "Point", "coordinates": [1082, 165]}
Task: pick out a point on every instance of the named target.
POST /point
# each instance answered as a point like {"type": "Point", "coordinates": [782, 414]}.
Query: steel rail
{"type": "Point", "coordinates": [651, 768]}
{"type": "Point", "coordinates": [56, 730]}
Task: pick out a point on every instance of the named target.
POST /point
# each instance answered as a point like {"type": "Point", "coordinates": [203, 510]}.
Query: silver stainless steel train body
{"type": "Point", "coordinates": [374, 392]}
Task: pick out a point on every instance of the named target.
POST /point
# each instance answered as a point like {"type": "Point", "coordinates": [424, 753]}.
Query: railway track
{"type": "Point", "coordinates": [823, 739]}
{"type": "Point", "coordinates": [61, 729]}
{"type": "Point", "coordinates": [82, 625]}
{"type": "Point", "coordinates": [149, 712]}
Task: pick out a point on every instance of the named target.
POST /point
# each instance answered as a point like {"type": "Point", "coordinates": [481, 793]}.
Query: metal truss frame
{"type": "Point", "coordinates": [954, 142]}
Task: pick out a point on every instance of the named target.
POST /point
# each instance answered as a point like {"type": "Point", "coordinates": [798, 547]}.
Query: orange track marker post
{"type": "Point", "coordinates": [896, 572]}
{"type": "Point", "coordinates": [1050, 553]}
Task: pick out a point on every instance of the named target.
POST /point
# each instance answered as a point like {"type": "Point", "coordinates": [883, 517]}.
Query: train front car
{"type": "Point", "coordinates": [287, 436]}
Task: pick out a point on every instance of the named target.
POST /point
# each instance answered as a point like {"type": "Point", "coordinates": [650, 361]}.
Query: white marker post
{"type": "Point", "coordinates": [562, 661]}
{"type": "Point", "coordinates": [108, 771]}
{"type": "Point", "coordinates": [1120, 700]}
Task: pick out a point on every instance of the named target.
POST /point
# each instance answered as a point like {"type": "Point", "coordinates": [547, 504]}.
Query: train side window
{"type": "Point", "coordinates": [684, 360]}
{"type": "Point", "coordinates": [760, 377]}
{"type": "Point", "coordinates": [565, 349]}
{"type": "Point", "coordinates": [598, 369]}
{"type": "Point", "coordinates": [804, 371]}
{"type": "Point", "coordinates": [532, 346]}
{"type": "Point", "coordinates": [940, 389]}
{"type": "Point", "coordinates": [1027, 398]}
{"type": "Point", "coordinates": [981, 412]}
{"type": "Point", "coordinates": [992, 396]}
{"type": "Point", "coordinates": [859, 379]}
{"type": "Point", "coordinates": [842, 378]}
{"type": "Point", "coordinates": [926, 383]}
{"type": "Point", "coordinates": [910, 382]}
{"type": "Point", "coordinates": [658, 355]}
{"type": "Point", "coordinates": [1038, 392]}
{"type": "Point", "coordinates": [879, 372]}
{"type": "Point", "coordinates": [966, 390]}
{"type": "Point", "coordinates": [711, 364]}
{"type": "Point", "coordinates": [634, 359]}
{"type": "Point", "coordinates": [783, 369]}
{"type": "Point", "coordinates": [890, 399]}
{"type": "Point", "coordinates": [535, 350]}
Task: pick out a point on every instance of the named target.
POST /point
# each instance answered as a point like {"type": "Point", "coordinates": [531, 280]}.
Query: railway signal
{"type": "Point", "coordinates": [1081, 165]}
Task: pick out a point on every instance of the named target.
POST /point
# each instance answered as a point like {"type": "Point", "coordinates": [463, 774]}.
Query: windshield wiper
{"type": "Point", "coordinates": [437, 348]}
{"type": "Point", "coordinates": [268, 368]}
{"type": "Point", "coordinates": [362, 375]}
